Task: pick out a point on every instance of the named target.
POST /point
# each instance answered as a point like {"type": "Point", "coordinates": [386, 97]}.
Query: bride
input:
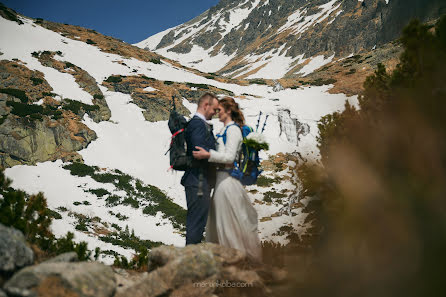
{"type": "Point", "coordinates": [232, 220]}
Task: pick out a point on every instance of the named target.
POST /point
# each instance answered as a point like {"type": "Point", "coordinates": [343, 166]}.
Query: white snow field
{"type": "Point", "coordinates": [136, 147]}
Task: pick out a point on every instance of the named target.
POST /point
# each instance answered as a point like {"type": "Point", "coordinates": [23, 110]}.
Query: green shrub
{"type": "Point", "coordinates": [105, 177]}
{"type": "Point", "coordinates": [257, 81]}
{"type": "Point", "coordinates": [31, 215]}
{"type": "Point", "coordinates": [36, 116]}
{"type": "Point", "coordinates": [264, 181]}
{"type": "Point", "coordinates": [279, 166]}
{"type": "Point", "coordinates": [77, 106]}
{"type": "Point", "coordinates": [69, 65]}
{"type": "Point", "coordinates": [173, 211]}
{"type": "Point", "coordinates": [121, 181]}
{"type": "Point", "coordinates": [209, 76]}
{"type": "Point", "coordinates": [97, 253]}
{"type": "Point", "coordinates": [113, 79]}
{"type": "Point", "coordinates": [98, 96]}
{"type": "Point", "coordinates": [130, 201]}
{"type": "Point", "coordinates": [99, 192]}
{"type": "Point", "coordinates": [89, 41]}
{"type": "Point", "coordinates": [227, 91]}
{"type": "Point", "coordinates": [168, 82]}
{"type": "Point", "coordinates": [81, 226]}
{"type": "Point", "coordinates": [20, 94]}
{"type": "Point", "coordinates": [147, 78]}
{"type": "Point", "coordinates": [121, 217]}
{"type": "Point", "coordinates": [321, 81]}
{"type": "Point", "coordinates": [127, 240]}
{"type": "Point", "coordinates": [351, 71]}
{"type": "Point", "coordinates": [138, 262]}
{"type": "Point", "coordinates": [116, 226]}
{"type": "Point", "coordinates": [80, 169]}
{"type": "Point", "coordinates": [150, 210]}
{"type": "Point", "coordinates": [66, 244]}
{"type": "Point", "coordinates": [113, 200]}
{"type": "Point", "coordinates": [199, 86]}
{"type": "Point", "coordinates": [57, 115]}
{"type": "Point", "coordinates": [49, 94]}
{"type": "Point", "coordinates": [155, 60]}
{"type": "Point", "coordinates": [22, 110]}
{"type": "Point", "coordinates": [36, 81]}
{"type": "Point", "coordinates": [268, 196]}
{"type": "Point", "coordinates": [54, 214]}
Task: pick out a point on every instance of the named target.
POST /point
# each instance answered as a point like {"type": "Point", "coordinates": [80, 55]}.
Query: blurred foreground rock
{"type": "Point", "coordinates": [84, 279]}
{"type": "Point", "coordinates": [14, 253]}
{"type": "Point", "coordinates": [202, 270]}
{"type": "Point", "coordinates": [195, 270]}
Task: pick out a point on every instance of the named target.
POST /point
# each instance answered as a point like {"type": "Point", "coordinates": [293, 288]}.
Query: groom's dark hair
{"type": "Point", "coordinates": [206, 97]}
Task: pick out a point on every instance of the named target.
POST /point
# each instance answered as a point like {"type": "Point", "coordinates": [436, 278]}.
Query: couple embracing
{"type": "Point", "coordinates": [228, 216]}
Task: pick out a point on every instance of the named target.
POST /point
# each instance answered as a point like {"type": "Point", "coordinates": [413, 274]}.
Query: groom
{"type": "Point", "coordinates": [197, 180]}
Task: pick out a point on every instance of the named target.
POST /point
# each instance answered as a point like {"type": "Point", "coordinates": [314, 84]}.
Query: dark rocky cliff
{"type": "Point", "coordinates": [339, 27]}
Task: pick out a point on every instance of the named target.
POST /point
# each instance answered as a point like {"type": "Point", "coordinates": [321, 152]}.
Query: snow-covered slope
{"type": "Point", "coordinates": [128, 145]}
{"type": "Point", "coordinates": [283, 38]}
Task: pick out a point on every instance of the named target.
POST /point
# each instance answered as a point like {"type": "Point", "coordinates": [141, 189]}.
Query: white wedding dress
{"type": "Point", "coordinates": [232, 220]}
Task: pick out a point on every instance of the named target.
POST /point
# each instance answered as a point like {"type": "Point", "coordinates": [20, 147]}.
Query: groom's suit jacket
{"type": "Point", "coordinates": [199, 133]}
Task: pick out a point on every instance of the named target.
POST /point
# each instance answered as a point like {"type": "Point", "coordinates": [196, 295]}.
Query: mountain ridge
{"type": "Point", "coordinates": [237, 38]}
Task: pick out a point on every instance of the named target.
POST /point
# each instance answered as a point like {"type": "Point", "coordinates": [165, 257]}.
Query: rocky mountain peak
{"type": "Point", "coordinates": [277, 38]}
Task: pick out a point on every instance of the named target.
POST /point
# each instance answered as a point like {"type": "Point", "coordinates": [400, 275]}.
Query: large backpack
{"type": "Point", "coordinates": [247, 167]}
{"type": "Point", "coordinates": [178, 147]}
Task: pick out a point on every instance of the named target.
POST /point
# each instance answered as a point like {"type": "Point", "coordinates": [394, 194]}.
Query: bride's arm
{"type": "Point", "coordinates": [228, 153]}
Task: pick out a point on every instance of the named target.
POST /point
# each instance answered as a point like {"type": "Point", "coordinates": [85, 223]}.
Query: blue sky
{"type": "Point", "coordinates": [129, 20]}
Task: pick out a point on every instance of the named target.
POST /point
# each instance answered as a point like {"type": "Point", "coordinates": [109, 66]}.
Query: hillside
{"type": "Point", "coordinates": [83, 119]}
{"type": "Point", "coordinates": [286, 39]}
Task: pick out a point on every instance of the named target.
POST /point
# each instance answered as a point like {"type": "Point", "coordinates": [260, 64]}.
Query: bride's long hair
{"type": "Point", "coordinates": [237, 116]}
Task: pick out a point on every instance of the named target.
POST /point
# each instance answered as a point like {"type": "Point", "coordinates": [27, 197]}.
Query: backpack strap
{"type": "Point", "coordinates": [236, 164]}
{"type": "Point", "coordinates": [224, 133]}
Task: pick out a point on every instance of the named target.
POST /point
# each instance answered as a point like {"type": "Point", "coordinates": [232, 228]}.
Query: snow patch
{"type": "Point", "coordinates": [277, 64]}
{"type": "Point", "coordinates": [150, 89]}
{"type": "Point", "coordinates": [314, 64]}
{"type": "Point", "coordinates": [298, 22]}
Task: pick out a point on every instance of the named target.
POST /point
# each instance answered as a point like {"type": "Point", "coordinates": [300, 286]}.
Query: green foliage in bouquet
{"type": "Point", "coordinates": [258, 146]}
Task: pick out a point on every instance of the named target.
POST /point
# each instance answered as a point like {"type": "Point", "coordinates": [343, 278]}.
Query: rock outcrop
{"type": "Point", "coordinates": [35, 127]}
{"type": "Point", "coordinates": [205, 269]}
{"type": "Point", "coordinates": [291, 127]}
{"type": "Point", "coordinates": [250, 32]}
{"type": "Point", "coordinates": [28, 142]}
{"type": "Point", "coordinates": [155, 97]}
{"type": "Point", "coordinates": [84, 279]}
{"type": "Point", "coordinates": [14, 252]}
{"type": "Point", "coordinates": [202, 270]}
{"type": "Point", "coordinates": [65, 257]}
{"type": "Point", "coordinates": [83, 79]}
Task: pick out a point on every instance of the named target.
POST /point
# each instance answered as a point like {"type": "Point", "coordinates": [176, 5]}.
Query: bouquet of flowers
{"type": "Point", "coordinates": [256, 141]}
